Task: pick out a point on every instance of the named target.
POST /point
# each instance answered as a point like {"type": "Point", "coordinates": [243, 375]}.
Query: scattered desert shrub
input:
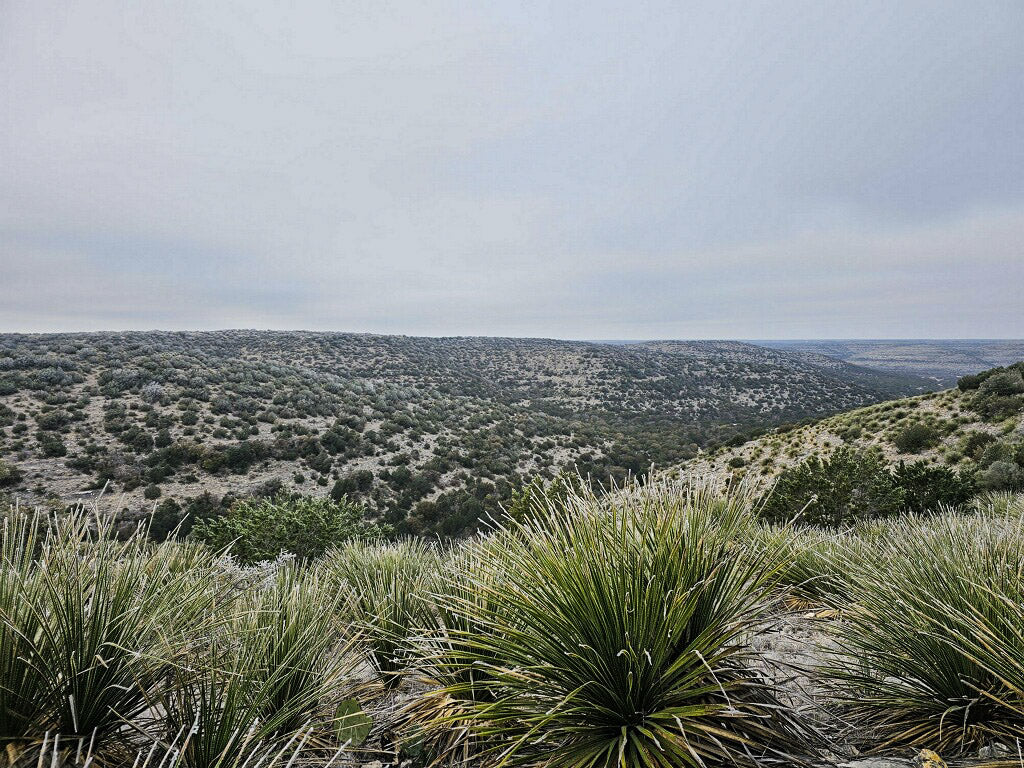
{"type": "Point", "coordinates": [9, 474]}
{"type": "Point", "coordinates": [975, 441]}
{"type": "Point", "coordinates": [915, 437]}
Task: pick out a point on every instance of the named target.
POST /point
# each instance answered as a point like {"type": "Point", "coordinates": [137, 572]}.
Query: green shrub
{"type": "Point", "coordinates": [1003, 383]}
{"type": "Point", "coordinates": [9, 474]}
{"type": "Point", "coordinates": [1001, 476]}
{"type": "Point", "coordinates": [614, 632]}
{"type": "Point", "coordinates": [352, 485]}
{"type": "Point", "coordinates": [969, 382]}
{"type": "Point", "coordinates": [259, 529]}
{"type": "Point", "coordinates": [848, 486]}
{"type": "Point", "coordinates": [1000, 394]}
{"type": "Point", "coordinates": [51, 445]}
{"type": "Point", "coordinates": [166, 518]}
{"type": "Point", "coordinates": [975, 441]}
{"type": "Point", "coordinates": [52, 420]}
{"type": "Point", "coordinates": [928, 488]}
{"type": "Point", "coordinates": [915, 437]}
{"type": "Point", "coordinates": [851, 433]}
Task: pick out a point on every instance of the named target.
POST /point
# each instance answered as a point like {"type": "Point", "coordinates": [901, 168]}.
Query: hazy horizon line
{"type": "Point", "coordinates": [745, 339]}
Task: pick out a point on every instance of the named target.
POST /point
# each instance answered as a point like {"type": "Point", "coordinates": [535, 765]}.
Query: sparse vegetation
{"type": "Point", "coordinates": [941, 448]}
{"type": "Point", "coordinates": [432, 436]}
{"type": "Point", "coordinates": [289, 622]}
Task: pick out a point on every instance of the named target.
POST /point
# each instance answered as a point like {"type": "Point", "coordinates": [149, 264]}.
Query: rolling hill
{"type": "Point", "coordinates": [431, 433]}
{"type": "Point", "coordinates": [976, 428]}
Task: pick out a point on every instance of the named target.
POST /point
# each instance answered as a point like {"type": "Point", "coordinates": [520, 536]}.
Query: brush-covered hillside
{"type": "Point", "coordinates": [976, 428]}
{"type": "Point", "coordinates": [431, 434]}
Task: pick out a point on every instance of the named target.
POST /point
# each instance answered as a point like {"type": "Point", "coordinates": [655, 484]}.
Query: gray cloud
{"type": "Point", "coordinates": [580, 170]}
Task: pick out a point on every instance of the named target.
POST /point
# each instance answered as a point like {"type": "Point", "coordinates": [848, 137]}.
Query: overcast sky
{"type": "Point", "coordinates": [578, 170]}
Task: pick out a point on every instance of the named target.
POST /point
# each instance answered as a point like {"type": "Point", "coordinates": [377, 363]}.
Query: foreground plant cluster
{"type": "Point", "coordinates": [613, 631]}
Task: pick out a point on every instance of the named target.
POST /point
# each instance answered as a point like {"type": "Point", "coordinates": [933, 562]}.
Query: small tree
{"type": "Point", "coordinates": [166, 517]}
{"type": "Point", "coordinates": [927, 488]}
{"type": "Point", "coordinates": [850, 485]}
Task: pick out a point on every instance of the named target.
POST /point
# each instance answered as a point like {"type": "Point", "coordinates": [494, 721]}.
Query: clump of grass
{"type": "Point", "coordinates": [614, 632]}
{"type": "Point", "coordinates": [110, 646]}
{"type": "Point", "coordinates": [387, 584]}
{"type": "Point", "coordinates": [1001, 503]}
{"type": "Point", "coordinates": [932, 649]}
{"type": "Point", "coordinates": [266, 681]}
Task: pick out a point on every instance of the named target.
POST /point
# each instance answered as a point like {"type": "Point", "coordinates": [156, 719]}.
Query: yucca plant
{"type": "Point", "coordinates": [21, 686]}
{"type": "Point", "coordinates": [387, 584]}
{"type": "Point", "coordinates": [615, 633]}
{"type": "Point", "coordinates": [1002, 503]}
{"type": "Point", "coordinates": [55, 751]}
{"type": "Point", "coordinates": [449, 689]}
{"type": "Point", "coordinates": [266, 681]}
{"type": "Point", "coordinates": [932, 649]}
{"type": "Point", "coordinates": [815, 561]}
{"type": "Point", "coordinates": [100, 623]}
